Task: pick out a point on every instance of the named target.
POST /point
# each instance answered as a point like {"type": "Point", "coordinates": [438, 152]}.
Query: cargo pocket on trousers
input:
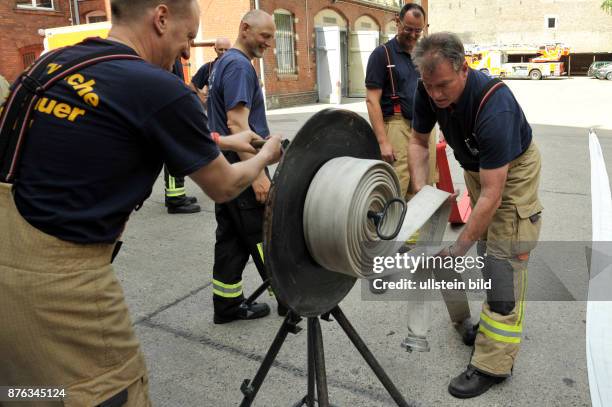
{"type": "Point", "coordinates": [528, 228]}
{"type": "Point", "coordinates": [502, 232]}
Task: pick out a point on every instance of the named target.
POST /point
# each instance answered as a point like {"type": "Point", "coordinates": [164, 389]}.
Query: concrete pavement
{"type": "Point", "coordinates": [166, 266]}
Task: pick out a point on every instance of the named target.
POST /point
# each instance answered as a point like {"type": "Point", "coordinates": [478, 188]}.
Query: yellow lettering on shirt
{"type": "Point", "coordinates": [84, 89]}
{"type": "Point", "coordinates": [46, 105]}
{"type": "Point", "coordinates": [52, 67]}
{"type": "Point", "coordinates": [75, 113]}
{"type": "Point", "coordinates": [75, 79]}
{"type": "Point", "coordinates": [62, 110]}
{"type": "Point", "coordinates": [91, 99]}
{"type": "Point", "coordinates": [59, 110]}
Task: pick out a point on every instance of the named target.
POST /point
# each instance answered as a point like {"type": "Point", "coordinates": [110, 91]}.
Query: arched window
{"type": "Point", "coordinates": [95, 17]}
{"type": "Point", "coordinates": [329, 18]}
{"type": "Point", "coordinates": [366, 23]}
{"type": "Point", "coordinates": [285, 42]}
{"type": "Point", "coordinates": [29, 54]}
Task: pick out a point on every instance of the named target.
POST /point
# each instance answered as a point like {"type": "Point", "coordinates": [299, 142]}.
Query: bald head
{"type": "Point", "coordinates": [159, 30]}
{"type": "Point", "coordinates": [256, 33]}
{"type": "Point", "coordinates": [257, 18]}
{"type": "Point", "coordinates": [130, 10]}
{"type": "Point", "coordinates": [222, 45]}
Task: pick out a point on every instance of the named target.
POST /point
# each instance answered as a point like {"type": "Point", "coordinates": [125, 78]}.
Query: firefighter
{"type": "Point", "coordinates": [201, 78]}
{"type": "Point", "coordinates": [391, 79]}
{"type": "Point", "coordinates": [175, 197]}
{"type": "Point", "coordinates": [491, 139]}
{"type": "Point", "coordinates": [96, 141]}
{"type": "Point", "coordinates": [236, 103]}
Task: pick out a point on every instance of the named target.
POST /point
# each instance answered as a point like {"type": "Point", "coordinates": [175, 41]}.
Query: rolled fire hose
{"type": "Point", "coordinates": [336, 224]}
{"type": "Point", "coordinates": [337, 228]}
{"type": "Point", "coordinates": [341, 237]}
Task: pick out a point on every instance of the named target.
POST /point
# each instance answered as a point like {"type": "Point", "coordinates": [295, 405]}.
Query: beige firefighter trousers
{"type": "Point", "coordinates": [64, 318]}
{"type": "Point", "coordinates": [511, 236]}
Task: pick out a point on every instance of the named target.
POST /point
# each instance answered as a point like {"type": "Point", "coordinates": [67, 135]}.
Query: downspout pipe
{"type": "Point", "coordinates": [107, 7]}
{"type": "Point", "coordinates": [71, 14]}
{"type": "Point", "coordinates": [261, 70]}
{"type": "Point", "coordinates": [76, 12]}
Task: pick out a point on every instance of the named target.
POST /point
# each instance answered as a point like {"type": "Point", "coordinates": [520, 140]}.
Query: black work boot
{"type": "Point", "coordinates": [244, 311]}
{"type": "Point", "coordinates": [188, 208]}
{"type": "Point", "coordinates": [181, 201]}
{"type": "Point", "coordinates": [472, 383]}
{"type": "Point", "coordinates": [183, 204]}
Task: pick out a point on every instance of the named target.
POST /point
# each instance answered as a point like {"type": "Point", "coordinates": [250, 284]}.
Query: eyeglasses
{"type": "Point", "coordinates": [410, 30]}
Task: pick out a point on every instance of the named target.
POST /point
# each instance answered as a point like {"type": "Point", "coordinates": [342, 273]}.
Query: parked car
{"type": "Point", "coordinates": [604, 73]}
{"type": "Point", "coordinates": [596, 65]}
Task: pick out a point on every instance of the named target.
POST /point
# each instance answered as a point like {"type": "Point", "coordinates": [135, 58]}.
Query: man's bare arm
{"type": "Point", "coordinates": [237, 121]}
{"type": "Point", "coordinates": [418, 160]}
{"type": "Point", "coordinates": [375, 113]}
{"type": "Point", "coordinates": [223, 181]}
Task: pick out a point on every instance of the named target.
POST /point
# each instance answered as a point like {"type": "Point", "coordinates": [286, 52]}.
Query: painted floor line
{"type": "Point", "coordinates": [599, 322]}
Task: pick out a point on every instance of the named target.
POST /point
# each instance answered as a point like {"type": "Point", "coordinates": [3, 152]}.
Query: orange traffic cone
{"type": "Point", "coordinates": [461, 210]}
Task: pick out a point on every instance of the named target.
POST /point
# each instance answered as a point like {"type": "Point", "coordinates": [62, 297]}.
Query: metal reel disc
{"type": "Point", "coordinates": [299, 282]}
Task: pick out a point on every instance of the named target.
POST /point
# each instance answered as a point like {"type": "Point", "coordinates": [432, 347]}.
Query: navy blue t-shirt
{"type": "Point", "coordinates": [233, 81]}
{"type": "Point", "coordinates": [501, 130]}
{"type": "Point", "coordinates": [98, 142]}
{"type": "Point", "coordinates": [405, 77]}
{"type": "Point", "coordinates": [200, 79]}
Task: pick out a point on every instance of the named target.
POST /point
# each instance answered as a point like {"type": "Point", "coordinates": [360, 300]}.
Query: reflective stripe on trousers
{"type": "Point", "coordinates": [227, 290]}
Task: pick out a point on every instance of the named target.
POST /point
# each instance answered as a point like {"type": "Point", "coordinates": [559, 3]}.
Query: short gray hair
{"type": "Point", "coordinates": [437, 48]}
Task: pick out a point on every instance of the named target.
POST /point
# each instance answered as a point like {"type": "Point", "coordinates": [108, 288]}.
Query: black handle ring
{"type": "Point", "coordinates": [379, 217]}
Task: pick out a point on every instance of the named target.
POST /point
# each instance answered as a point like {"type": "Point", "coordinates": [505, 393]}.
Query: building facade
{"type": "Point", "coordinates": [321, 46]}
{"type": "Point", "coordinates": [21, 20]}
{"type": "Point", "coordinates": [580, 24]}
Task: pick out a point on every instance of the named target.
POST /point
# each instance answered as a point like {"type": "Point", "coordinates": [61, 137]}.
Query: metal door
{"type": "Point", "coordinates": [329, 64]}
{"type": "Point", "coordinates": [361, 43]}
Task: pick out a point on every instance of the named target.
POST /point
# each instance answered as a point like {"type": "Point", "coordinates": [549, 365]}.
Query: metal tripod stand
{"type": "Point", "coordinates": [260, 290]}
{"type": "Point", "coordinates": [317, 377]}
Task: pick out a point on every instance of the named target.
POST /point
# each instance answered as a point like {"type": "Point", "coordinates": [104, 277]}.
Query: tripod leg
{"type": "Point", "coordinates": [250, 389]}
{"type": "Point", "coordinates": [311, 396]}
{"type": "Point", "coordinates": [369, 357]}
{"type": "Point", "coordinates": [319, 362]}
{"type": "Point", "coordinates": [257, 292]}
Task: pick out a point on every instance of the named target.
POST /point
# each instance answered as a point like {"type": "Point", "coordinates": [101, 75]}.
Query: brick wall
{"type": "Point", "coordinates": [303, 85]}
{"type": "Point", "coordinates": [19, 31]}
{"type": "Point", "coordinates": [284, 90]}
{"type": "Point", "coordinates": [220, 18]}
{"type": "Point", "coordinates": [87, 6]}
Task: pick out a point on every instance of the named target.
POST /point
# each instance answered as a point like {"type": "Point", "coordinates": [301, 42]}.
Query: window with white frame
{"type": "Point", "coordinates": [39, 4]}
{"type": "Point", "coordinates": [285, 43]}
